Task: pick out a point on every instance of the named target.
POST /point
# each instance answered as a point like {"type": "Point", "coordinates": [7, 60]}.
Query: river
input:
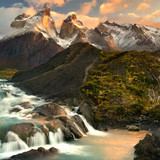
{"type": "Point", "coordinates": [96, 145]}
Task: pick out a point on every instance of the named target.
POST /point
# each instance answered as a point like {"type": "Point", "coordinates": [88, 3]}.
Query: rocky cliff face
{"type": "Point", "coordinates": [70, 27]}
{"type": "Point", "coordinates": [132, 37]}
{"type": "Point", "coordinates": [27, 51]}
{"type": "Point", "coordinates": [31, 44]}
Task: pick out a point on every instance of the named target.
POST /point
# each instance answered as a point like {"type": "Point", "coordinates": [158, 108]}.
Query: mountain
{"type": "Point", "coordinates": [36, 39]}
{"type": "Point", "coordinates": [132, 37]}
{"type": "Point", "coordinates": [63, 74]}
{"type": "Point", "coordinates": [27, 47]}
{"type": "Point", "coordinates": [117, 87]}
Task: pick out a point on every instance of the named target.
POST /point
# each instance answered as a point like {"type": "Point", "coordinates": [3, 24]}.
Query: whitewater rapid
{"type": "Point", "coordinates": [11, 98]}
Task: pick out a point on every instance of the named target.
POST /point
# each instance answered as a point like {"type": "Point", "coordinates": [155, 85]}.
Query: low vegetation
{"type": "Point", "coordinates": [7, 73]}
{"type": "Point", "coordinates": [124, 84]}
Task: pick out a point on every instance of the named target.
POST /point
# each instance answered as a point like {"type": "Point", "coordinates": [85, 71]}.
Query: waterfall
{"type": "Point", "coordinates": [55, 138]}
{"type": "Point", "coordinates": [39, 139]}
{"type": "Point", "coordinates": [79, 129]}
{"type": "Point", "coordinates": [14, 143]}
{"type": "Point", "coordinates": [91, 130]}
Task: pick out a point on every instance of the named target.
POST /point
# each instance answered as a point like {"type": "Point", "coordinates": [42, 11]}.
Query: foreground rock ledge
{"type": "Point", "coordinates": [149, 147]}
{"type": "Point", "coordinates": [39, 154]}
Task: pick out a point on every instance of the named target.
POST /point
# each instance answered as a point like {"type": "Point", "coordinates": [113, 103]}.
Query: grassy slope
{"type": "Point", "coordinates": [7, 73]}
{"type": "Point", "coordinates": [124, 84]}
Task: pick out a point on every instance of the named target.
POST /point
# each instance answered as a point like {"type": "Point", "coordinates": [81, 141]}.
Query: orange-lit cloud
{"type": "Point", "coordinates": [152, 19]}
{"type": "Point", "coordinates": [38, 3]}
{"type": "Point", "coordinates": [31, 11]}
{"type": "Point", "coordinates": [143, 7]}
{"type": "Point", "coordinates": [87, 7]}
{"type": "Point", "coordinates": [113, 6]}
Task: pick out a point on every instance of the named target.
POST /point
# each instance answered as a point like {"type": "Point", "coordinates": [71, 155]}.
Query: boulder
{"type": "Point", "coordinates": [69, 123]}
{"type": "Point", "coordinates": [86, 110]}
{"type": "Point", "coordinates": [14, 109]}
{"type": "Point", "coordinates": [55, 124]}
{"type": "Point", "coordinates": [50, 109]}
{"type": "Point", "coordinates": [148, 148]}
{"type": "Point", "coordinates": [133, 128]}
{"type": "Point", "coordinates": [24, 130]}
{"type": "Point", "coordinates": [80, 123]}
{"type": "Point", "coordinates": [33, 154]}
{"type": "Point", "coordinates": [26, 105]}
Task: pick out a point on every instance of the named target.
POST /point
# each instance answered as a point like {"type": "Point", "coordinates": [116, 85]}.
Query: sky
{"type": "Point", "coordinates": [90, 12]}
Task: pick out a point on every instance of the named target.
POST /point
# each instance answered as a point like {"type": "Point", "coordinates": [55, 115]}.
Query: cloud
{"type": "Point", "coordinates": [87, 7]}
{"type": "Point", "coordinates": [9, 14]}
{"type": "Point", "coordinates": [38, 3]}
{"type": "Point", "coordinates": [152, 19]}
{"type": "Point", "coordinates": [143, 7]}
{"type": "Point", "coordinates": [17, 5]}
{"type": "Point", "coordinates": [90, 22]}
{"type": "Point", "coordinates": [113, 6]}
{"type": "Point", "coordinates": [31, 11]}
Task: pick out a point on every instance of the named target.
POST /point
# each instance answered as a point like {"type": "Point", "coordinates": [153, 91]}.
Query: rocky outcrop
{"type": "Point", "coordinates": [20, 21]}
{"type": "Point", "coordinates": [133, 128]}
{"type": "Point", "coordinates": [33, 42]}
{"type": "Point", "coordinates": [27, 51]}
{"type": "Point", "coordinates": [50, 110]}
{"type": "Point", "coordinates": [33, 154]}
{"type": "Point", "coordinates": [70, 27]}
{"type": "Point", "coordinates": [24, 130]}
{"type": "Point", "coordinates": [149, 147]}
{"type": "Point", "coordinates": [100, 40]}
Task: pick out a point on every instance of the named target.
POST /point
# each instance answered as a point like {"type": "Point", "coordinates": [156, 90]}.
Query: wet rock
{"type": "Point", "coordinates": [26, 105]}
{"type": "Point", "coordinates": [80, 123]}
{"type": "Point", "coordinates": [15, 109]}
{"type": "Point", "coordinates": [55, 124]}
{"type": "Point", "coordinates": [24, 130]}
{"type": "Point", "coordinates": [50, 110]}
{"type": "Point", "coordinates": [149, 147]}
{"type": "Point", "coordinates": [102, 126]}
{"type": "Point", "coordinates": [40, 153]}
{"type": "Point", "coordinates": [68, 123]}
{"type": "Point", "coordinates": [133, 128]}
{"type": "Point", "coordinates": [86, 111]}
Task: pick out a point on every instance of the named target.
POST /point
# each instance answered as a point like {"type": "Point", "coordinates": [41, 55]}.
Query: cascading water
{"type": "Point", "coordinates": [56, 138]}
{"type": "Point", "coordinates": [90, 147]}
{"type": "Point", "coordinates": [39, 139]}
{"type": "Point", "coordinates": [11, 99]}
{"type": "Point", "coordinates": [13, 143]}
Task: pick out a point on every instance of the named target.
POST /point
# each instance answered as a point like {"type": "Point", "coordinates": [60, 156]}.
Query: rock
{"type": "Point", "coordinates": [148, 148]}
{"type": "Point", "coordinates": [24, 52]}
{"type": "Point", "coordinates": [55, 124]}
{"type": "Point", "coordinates": [50, 110]}
{"type": "Point", "coordinates": [24, 130]}
{"type": "Point", "coordinates": [26, 105]}
{"type": "Point", "coordinates": [102, 126]}
{"type": "Point", "coordinates": [15, 109]}
{"type": "Point", "coordinates": [33, 154]}
{"type": "Point", "coordinates": [68, 123]}
{"type": "Point", "coordinates": [86, 110]}
{"type": "Point", "coordinates": [69, 28]}
{"type": "Point", "coordinates": [80, 123]}
{"type": "Point", "coordinates": [133, 128]}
